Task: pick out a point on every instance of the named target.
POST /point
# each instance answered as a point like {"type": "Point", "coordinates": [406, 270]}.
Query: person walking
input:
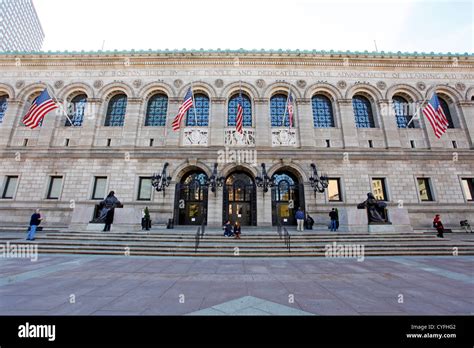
{"type": "Point", "coordinates": [34, 223]}
{"type": "Point", "coordinates": [439, 226]}
{"type": "Point", "coordinates": [107, 213]}
{"type": "Point", "coordinates": [237, 230]}
{"type": "Point", "coordinates": [300, 219]}
{"type": "Point", "coordinates": [333, 216]}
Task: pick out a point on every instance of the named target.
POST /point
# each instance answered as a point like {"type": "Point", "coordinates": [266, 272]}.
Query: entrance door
{"type": "Point", "coordinates": [287, 196]}
{"type": "Point", "coordinates": [191, 199]}
{"type": "Point", "coordinates": [240, 199]}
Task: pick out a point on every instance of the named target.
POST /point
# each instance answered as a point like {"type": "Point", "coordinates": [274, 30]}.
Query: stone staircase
{"type": "Point", "coordinates": [255, 242]}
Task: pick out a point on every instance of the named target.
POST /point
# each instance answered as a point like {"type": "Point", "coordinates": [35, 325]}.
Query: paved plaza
{"type": "Point", "coordinates": [120, 285]}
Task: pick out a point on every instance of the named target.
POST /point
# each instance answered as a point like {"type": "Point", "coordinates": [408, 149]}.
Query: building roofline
{"type": "Point", "coordinates": [260, 52]}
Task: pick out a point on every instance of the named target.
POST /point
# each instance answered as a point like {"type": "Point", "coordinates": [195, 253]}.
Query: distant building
{"type": "Point", "coordinates": [20, 28]}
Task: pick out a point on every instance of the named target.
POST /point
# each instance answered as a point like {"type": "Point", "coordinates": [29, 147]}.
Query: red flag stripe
{"type": "Point", "coordinates": [39, 113]}
{"type": "Point", "coordinates": [40, 116]}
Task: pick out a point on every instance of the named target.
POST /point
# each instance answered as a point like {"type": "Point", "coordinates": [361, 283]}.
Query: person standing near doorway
{"type": "Point", "coordinates": [300, 219]}
{"type": "Point", "coordinates": [439, 226]}
{"type": "Point", "coordinates": [34, 223]}
{"type": "Point", "coordinates": [237, 230]}
{"type": "Point", "coordinates": [333, 216]}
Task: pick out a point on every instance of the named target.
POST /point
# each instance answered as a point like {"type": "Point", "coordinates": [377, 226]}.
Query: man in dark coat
{"type": "Point", "coordinates": [107, 214]}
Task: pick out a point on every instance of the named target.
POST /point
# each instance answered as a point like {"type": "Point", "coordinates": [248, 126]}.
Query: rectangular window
{"type": "Point", "coordinates": [378, 189]}
{"type": "Point", "coordinates": [468, 187]}
{"type": "Point", "coordinates": [100, 185]}
{"type": "Point", "coordinates": [334, 190]}
{"type": "Point", "coordinates": [424, 188]}
{"type": "Point", "coordinates": [10, 187]}
{"type": "Point", "coordinates": [55, 184]}
{"type": "Point", "coordinates": [144, 189]}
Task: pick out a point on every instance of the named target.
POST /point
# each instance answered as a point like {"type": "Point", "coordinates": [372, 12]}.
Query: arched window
{"type": "Point", "coordinates": [116, 111]}
{"type": "Point", "coordinates": [3, 106]}
{"type": "Point", "coordinates": [278, 111]}
{"type": "Point", "coordinates": [322, 111]}
{"type": "Point", "coordinates": [76, 110]}
{"type": "Point", "coordinates": [402, 112]}
{"type": "Point", "coordinates": [156, 110]}
{"type": "Point", "coordinates": [198, 115]}
{"type": "Point", "coordinates": [232, 110]}
{"type": "Point", "coordinates": [446, 111]}
{"type": "Point", "coordinates": [364, 117]}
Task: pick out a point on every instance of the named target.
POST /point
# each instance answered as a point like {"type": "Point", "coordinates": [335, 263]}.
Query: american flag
{"type": "Point", "coordinates": [290, 110]}
{"type": "Point", "coordinates": [435, 115]}
{"type": "Point", "coordinates": [240, 116]}
{"type": "Point", "coordinates": [38, 109]}
{"type": "Point", "coordinates": [187, 104]}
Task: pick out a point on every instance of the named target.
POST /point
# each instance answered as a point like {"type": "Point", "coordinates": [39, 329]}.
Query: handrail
{"type": "Point", "coordinates": [198, 235]}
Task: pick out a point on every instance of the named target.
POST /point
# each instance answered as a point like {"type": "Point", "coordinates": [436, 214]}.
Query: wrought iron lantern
{"type": "Point", "coordinates": [215, 180]}
{"type": "Point", "coordinates": [161, 181]}
{"type": "Point", "coordinates": [264, 181]}
{"type": "Point", "coordinates": [318, 183]}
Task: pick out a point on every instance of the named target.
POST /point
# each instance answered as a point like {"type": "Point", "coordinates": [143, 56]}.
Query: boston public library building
{"type": "Point", "coordinates": [352, 125]}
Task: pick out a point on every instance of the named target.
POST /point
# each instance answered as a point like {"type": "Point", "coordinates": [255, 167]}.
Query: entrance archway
{"type": "Point", "coordinates": [191, 199]}
{"type": "Point", "coordinates": [240, 199]}
{"type": "Point", "coordinates": [287, 196]}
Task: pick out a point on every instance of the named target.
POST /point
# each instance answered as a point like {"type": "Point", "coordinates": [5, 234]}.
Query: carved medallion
{"type": "Point", "coordinates": [421, 86]}
{"type": "Point", "coordinates": [137, 83]}
{"type": "Point", "coordinates": [342, 84]}
{"type": "Point", "coordinates": [381, 85]}
{"type": "Point", "coordinates": [58, 84]}
{"type": "Point", "coordinates": [260, 83]}
{"type": "Point", "coordinates": [219, 83]}
{"type": "Point", "coordinates": [460, 86]}
{"type": "Point", "coordinates": [20, 84]}
{"type": "Point", "coordinates": [301, 83]}
{"type": "Point", "coordinates": [98, 84]}
{"type": "Point", "coordinates": [178, 83]}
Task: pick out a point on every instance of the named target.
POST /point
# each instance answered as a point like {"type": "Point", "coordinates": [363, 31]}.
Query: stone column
{"type": "Point", "coordinates": [214, 207]}
{"type": "Point", "coordinates": [50, 121]}
{"type": "Point", "coordinates": [263, 132]}
{"type": "Point", "coordinates": [10, 121]}
{"type": "Point", "coordinates": [217, 122]}
{"type": "Point", "coordinates": [348, 126]}
{"type": "Point", "coordinates": [130, 127]}
{"type": "Point", "coordinates": [389, 124]}
{"type": "Point", "coordinates": [467, 108]}
{"type": "Point", "coordinates": [264, 207]}
{"type": "Point", "coordinates": [172, 137]}
{"type": "Point", "coordinates": [90, 123]}
{"type": "Point", "coordinates": [305, 123]}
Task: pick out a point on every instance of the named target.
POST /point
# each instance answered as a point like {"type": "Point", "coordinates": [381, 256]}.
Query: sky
{"type": "Point", "coordinates": [402, 25]}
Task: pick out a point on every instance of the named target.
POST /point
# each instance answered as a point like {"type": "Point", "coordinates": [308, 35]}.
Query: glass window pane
{"type": "Point", "coordinates": [10, 187]}
{"type": "Point", "coordinates": [156, 111]}
{"type": "Point", "coordinates": [424, 189]}
{"type": "Point", "coordinates": [278, 111]}
{"type": "Point", "coordinates": [76, 110]}
{"type": "Point", "coordinates": [145, 189]}
{"type": "Point", "coordinates": [364, 117]}
{"type": "Point", "coordinates": [333, 190]}
{"type": "Point", "coordinates": [322, 112]}
{"type": "Point", "coordinates": [55, 187]}
{"type": "Point", "coordinates": [446, 111]}
{"type": "Point", "coordinates": [232, 110]}
{"type": "Point", "coordinates": [3, 107]}
{"type": "Point", "coordinates": [198, 115]}
{"type": "Point", "coordinates": [378, 189]}
{"type": "Point", "coordinates": [468, 187]}
{"type": "Point", "coordinates": [402, 112]}
{"type": "Point", "coordinates": [100, 186]}
{"type": "Point", "coordinates": [116, 111]}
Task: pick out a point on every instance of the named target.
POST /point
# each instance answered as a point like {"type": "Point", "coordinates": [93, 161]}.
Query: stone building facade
{"type": "Point", "coordinates": [351, 111]}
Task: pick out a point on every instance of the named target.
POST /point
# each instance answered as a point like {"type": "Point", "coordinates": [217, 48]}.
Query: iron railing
{"type": "Point", "coordinates": [285, 235]}
{"type": "Point", "coordinates": [199, 235]}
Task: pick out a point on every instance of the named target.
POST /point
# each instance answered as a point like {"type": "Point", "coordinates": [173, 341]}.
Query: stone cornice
{"type": "Point", "coordinates": [135, 59]}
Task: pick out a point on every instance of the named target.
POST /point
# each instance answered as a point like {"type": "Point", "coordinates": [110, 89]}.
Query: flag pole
{"type": "Point", "coordinates": [416, 114]}
{"type": "Point", "coordinates": [60, 105]}
{"type": "Point", "coordinates": [194, 105]}
{"type": "Point", "coordinates": [286, 106]}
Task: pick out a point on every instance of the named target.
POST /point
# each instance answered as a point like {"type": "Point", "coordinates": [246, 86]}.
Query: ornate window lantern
{"type": "Point", "coordinates": [264, 181]}
{"type": "Point", "coordinates": [318, 183]}
{"type": "Point", "coordinates": [161, 181]}
{"type": "Point", "coordinates": [215, 181]}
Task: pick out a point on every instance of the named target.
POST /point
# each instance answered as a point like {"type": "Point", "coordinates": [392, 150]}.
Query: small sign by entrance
{"type": "Point", "coordinates": [193, 219]}
{"type": "Point", "coordinates": [285, 220]}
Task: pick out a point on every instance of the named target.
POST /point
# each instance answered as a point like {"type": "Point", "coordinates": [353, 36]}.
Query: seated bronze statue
{"type": "Point", "coordinates": [376, 210]}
